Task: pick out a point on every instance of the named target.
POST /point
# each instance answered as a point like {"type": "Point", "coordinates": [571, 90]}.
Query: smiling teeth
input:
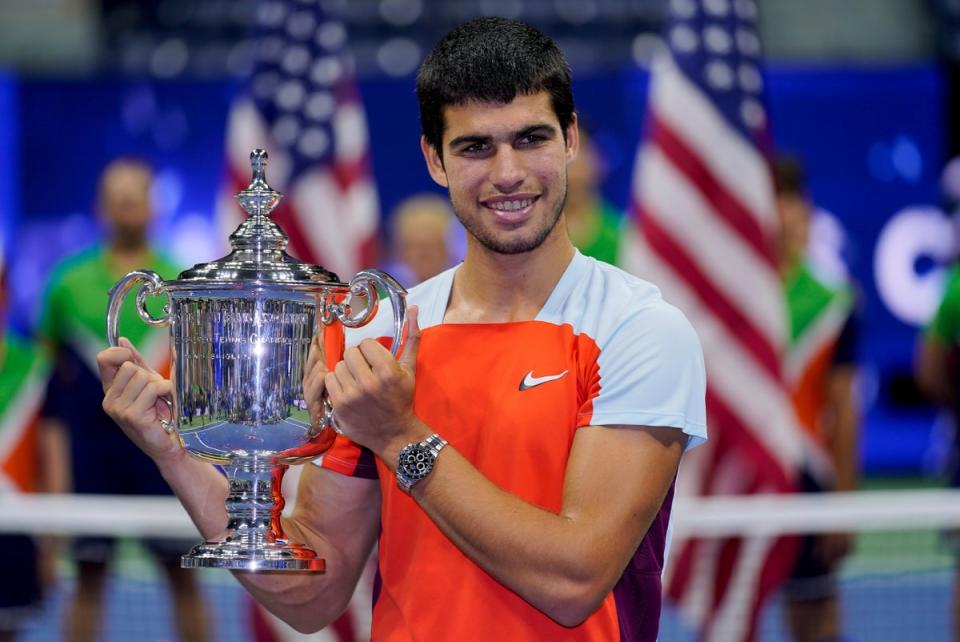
{"type": "Point", "coordinates": [509, 206]}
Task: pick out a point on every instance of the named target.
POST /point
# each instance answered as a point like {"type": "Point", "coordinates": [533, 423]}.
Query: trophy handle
{"type": "Point", "coordinates": [364, 284]}
{"type": "Point", "coordinates": [152, 285]}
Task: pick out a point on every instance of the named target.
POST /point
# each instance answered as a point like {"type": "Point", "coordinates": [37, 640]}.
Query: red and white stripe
{"type": "Point", "coordinates": [704, 217]}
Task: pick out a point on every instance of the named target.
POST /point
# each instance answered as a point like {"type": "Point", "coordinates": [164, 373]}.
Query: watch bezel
{"type": "Point", "coordinates": [409, 472]}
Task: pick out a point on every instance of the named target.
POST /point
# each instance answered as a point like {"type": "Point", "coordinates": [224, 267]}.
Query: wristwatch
{"type": "Point", "coordinates": [416, 461]}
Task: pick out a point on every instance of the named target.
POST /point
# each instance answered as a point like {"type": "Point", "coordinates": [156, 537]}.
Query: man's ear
{"type": "Point", "coordinates": [434, 163]}
{"type": "Point", "coordinates": [572, 139]}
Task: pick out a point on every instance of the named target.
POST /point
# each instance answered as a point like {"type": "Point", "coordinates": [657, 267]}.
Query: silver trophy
{"type": "Point", "coordinates": [240, 333]}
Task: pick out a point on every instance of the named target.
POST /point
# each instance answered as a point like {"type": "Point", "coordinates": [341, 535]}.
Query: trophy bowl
{"type": "Point", "coordinates": [241, 330]}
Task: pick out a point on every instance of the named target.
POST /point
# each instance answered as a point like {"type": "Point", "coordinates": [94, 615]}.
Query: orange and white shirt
{"type": "Point", "coordinates": [604, 350]}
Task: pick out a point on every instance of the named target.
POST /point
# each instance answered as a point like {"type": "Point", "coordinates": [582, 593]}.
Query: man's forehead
{"type": "Point", "coordinates": [489, 118]}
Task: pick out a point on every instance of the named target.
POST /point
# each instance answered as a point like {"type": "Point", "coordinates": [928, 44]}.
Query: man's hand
{"type": "Point", "coordinates": [313, 379]}
{"type": "Point", "coordinates": [133, 398]}
{"type": "Point", "coordinates": [372, 393]}
{"type": "Point", "coordinates": [831, 548]}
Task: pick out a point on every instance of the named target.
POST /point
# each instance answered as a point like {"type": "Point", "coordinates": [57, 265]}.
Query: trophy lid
{"type": "Point", "coordinates": [259, 245]}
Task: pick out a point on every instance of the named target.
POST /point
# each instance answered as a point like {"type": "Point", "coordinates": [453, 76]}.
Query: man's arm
{"type": "Point", "coordinates": [564, 564]}
{"type": "Point", "coordinates": [339, 518]}
{"type": "Point", "coordinates": [933, 370]}
{"type": "Point", "coordinates": [843, 426]}
{"type": "Point", "coordinates": [335, 515]}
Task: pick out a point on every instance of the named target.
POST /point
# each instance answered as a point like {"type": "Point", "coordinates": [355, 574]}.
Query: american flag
{"type": "Point", "coordinates": [703, 226]}
{"type": "Point", "coordinates": [301, 104]}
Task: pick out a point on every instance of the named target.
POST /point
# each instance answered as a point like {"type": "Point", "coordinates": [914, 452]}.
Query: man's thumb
{"type": "Point", "coordinates": [411, 343]}
{"type": "Point", "coordinates": [137, 357]}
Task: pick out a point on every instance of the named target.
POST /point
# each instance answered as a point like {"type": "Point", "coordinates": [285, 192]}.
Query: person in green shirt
{"type": "Point", "coordinates": [23, 372]}
{"type": "Point", "coordinates": [100, 460]}
{"type": "Point", "coordinates": [820, 372]}
{"type": "Point", "coordinates": [938, 376]}
{"type": "Point", "coordinates": [593, 223]}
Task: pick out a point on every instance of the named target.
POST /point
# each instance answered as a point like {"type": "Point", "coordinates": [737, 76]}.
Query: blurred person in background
{"type": "Point", "coordinates": [820, 371]}
{"type": "Point", "coordinates": [937, 369]}
{"type": "Point", "coordinates": [99, 458]}
{"type": "Point", "coordinates": [421, 242]}
{"type": "Point", "coordinates": [593, 223]}
{"type": "Point", "coordinates": [26, 565]}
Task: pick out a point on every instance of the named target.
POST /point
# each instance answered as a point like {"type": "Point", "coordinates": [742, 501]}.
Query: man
{"type": "Point", "coordinates": [592, 222]}
{"type": "Point", "coordinates": [420, 238]}
{"type": "Point", "coordinates": [99, 459]}
{"type": "Point", "coordinates": [820, 371]}
{"type": "Point", "coordinates": [548, 398]}
{"type": "Point", "coordinates": [938, 376]}
{"type": "Point", "coordinates": [23, 370]}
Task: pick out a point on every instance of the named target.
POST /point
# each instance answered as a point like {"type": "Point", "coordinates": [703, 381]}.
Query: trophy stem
{"type": "Point", "coordinates": [255, 540]}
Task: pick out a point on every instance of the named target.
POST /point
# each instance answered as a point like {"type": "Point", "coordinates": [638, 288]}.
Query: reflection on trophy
{"type": "Point", "coordinates": [240, 333]}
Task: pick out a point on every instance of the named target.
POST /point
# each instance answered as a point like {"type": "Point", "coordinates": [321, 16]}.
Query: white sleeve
{"type": "Point", "coordinates": [651, 373]}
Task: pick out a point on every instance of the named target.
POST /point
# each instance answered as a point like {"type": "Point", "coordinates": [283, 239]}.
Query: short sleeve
{"type": "Point", "coordinates": [347, 458]}
{"type": "Point", "coordinates": [945, 325]}
{"type": "Point", "coordinates": [651, 373]}
{"type": "Point", "coordinates": [50, 312]}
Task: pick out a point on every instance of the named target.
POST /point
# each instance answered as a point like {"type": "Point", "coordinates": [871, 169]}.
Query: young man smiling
{"type": "Point", "coordinates": [548, 397]}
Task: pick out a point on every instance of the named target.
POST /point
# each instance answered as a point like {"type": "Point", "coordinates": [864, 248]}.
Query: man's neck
{"type": "Point", "coordinates": [499, 288]}
{"type": "Point", "coordinates": [124, 257]}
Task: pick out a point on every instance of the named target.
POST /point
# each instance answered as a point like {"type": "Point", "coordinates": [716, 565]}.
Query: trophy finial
{"type": "Point", "coordinates": [258, 160]}
{"type": "Point", "coordinates": [259, 199]}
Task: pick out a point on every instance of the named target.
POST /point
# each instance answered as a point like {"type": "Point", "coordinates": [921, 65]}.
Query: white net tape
{"type": "Point", "coordinates": [138, 516]}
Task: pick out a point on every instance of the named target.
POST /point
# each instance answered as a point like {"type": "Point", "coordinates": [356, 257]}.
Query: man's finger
{"type": "Point", "coordinates": [121, 377]}
{"type": "Point", "coordinates": [344, 377]}
{"type": "Point", "coordinates": [315, 355]}
{"type": "Point", "coordinates": [408, 351]}
{"type": "Point", "coordinates": [137, 357]}
{"type": "Point", "coordinates": [132, 391]}
{"type": "Point", "coordinates": [332, 385]}
{"type": "Point", "coordinates": [359, 366]}
{"type": "Point", "coordinates": [109, 362]}
{"type": "Point", "coordinates": [148, 396]}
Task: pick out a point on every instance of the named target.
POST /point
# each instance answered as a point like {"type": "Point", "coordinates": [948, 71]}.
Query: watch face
{"type": "Point", "coordinates": [416, 461]}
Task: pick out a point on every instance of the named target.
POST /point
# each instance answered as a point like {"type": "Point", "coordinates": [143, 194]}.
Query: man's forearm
{"type": "Point", "coordinates": [201, 489]}
{"type": "Point", "coordinates": [844, 429]}
{"type": "Point", "coordinates": [535, 553]}
{"type": "Point", "coordinates": [563, 563]}
{"type": "Point", "coordinates": [844, 448]}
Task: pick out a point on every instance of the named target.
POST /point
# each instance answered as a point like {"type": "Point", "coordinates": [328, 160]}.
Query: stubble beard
{"type": "Point", "coordinates": [514, 246]}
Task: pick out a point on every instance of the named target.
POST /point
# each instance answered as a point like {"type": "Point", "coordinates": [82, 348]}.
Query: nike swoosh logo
{"type": "Point", "coordinates": [529, 381]}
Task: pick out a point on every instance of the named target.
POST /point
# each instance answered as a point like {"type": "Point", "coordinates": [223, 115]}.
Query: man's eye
{"type": "Point", "coordinates": [475, 148]}
{"type": "Point", "coordinates": [531, 139]}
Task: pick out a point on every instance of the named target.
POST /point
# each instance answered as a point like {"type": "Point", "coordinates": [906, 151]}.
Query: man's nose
{"type": "Point", "coordinates": [507, 173]}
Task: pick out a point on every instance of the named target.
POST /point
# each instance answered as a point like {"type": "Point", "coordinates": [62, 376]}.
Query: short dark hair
{"type": "Point", "coordinates": [491, 60]}
{"type": "Point", "coordinates": [789, 176]}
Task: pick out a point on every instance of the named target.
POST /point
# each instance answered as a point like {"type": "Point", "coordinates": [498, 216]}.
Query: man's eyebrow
{"type": "Point", "coordinates": [542, 127]}
{"type": "Point", "coordinates": [469, 138]}
{"type": "Point", "coordinates": [481, 138]}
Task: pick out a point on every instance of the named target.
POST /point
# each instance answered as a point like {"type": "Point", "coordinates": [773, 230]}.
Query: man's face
{"type": "Point", "coordinates": [125, 199]}
{"type": "Point", "coordinates": [505, 166]}
{"type": "Point", "coordinates": [794, 214]}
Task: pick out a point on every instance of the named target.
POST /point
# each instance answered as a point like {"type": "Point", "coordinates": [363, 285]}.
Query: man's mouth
{"type": "Point", "coordinates": [511, 210]}
{"type": "Point", "coordinates": [511, 206]}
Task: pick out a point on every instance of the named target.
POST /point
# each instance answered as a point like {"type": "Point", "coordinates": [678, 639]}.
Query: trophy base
{"type": "Point", "coordinates": [278, 555]}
